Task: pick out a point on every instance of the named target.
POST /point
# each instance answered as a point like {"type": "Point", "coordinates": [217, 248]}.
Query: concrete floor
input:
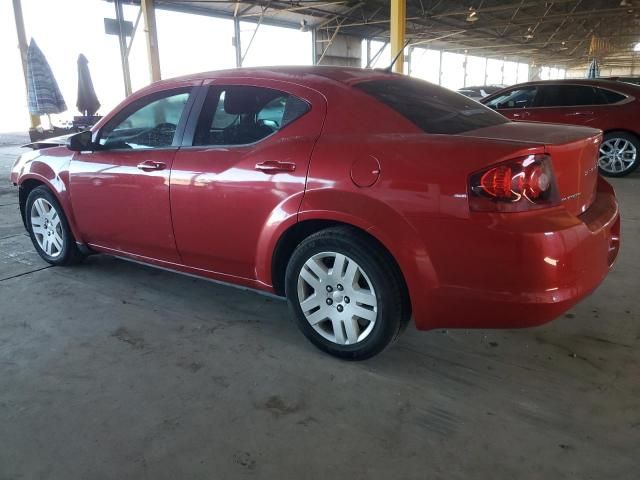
{"type": "Point", "coordinates": [116, 370]}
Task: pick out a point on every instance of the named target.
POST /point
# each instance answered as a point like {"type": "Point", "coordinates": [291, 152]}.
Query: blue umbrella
{"type": "Point", "coordinates": [43, 94]}
{"type": "Point", "coordinates": [594, 69]}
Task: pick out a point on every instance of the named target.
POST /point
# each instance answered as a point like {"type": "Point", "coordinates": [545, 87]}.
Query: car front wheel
{"type": "Point", "coordinates": [49, 229]}
{"type": "Point", "coordinates": [347, 295]}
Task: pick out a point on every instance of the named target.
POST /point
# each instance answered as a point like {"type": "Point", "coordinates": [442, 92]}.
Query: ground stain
{"type": "Point", "coordinates": [126, 336]}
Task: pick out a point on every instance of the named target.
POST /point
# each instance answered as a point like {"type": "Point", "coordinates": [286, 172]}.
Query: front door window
{"type": "Point", "coordinates": [150, 125]}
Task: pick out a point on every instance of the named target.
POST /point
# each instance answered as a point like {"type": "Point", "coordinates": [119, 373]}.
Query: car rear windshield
{"type": "Point", "coordinates": [432, 108]}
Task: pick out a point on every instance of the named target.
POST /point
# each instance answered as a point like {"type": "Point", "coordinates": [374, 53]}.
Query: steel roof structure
{"type": "Point", "coordinates": [568, 32]}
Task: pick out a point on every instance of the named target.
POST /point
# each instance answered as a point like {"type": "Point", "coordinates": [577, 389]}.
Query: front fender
{"type": "Point", "coordinates": [50, 168]}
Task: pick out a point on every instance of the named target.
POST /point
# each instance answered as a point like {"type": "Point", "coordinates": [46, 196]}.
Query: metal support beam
{"type": "Point", "coordinates": [329, 43]}
{"type": "Point", "coordinates": [122, 40]}
{"type": "Point", "coordinates": [368, 52]}
{"type": "Point", "coordinates": [236, 41]}
{"type": "Point", "coordinates": [151, 33]}
{"type": "Point", "coordinates": [133, 32]}
{"type": "Point", "coordinates": [464, 69]}
{"type": "Point", "coordinates": [314, 46]}
{"type": "Point", "coordinates": [23, 46]}
{"type": "Point", "coordinates": [486, 71]}
{"type": "Point", "coordinates": [373, 59]}
{"type": "Point", "coordinates": [398, 23]}
{"type": "Point", "coordinates": [255, 31]}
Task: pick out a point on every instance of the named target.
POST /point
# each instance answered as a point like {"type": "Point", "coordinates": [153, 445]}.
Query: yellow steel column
{"type": "Point", "coordinates": [398, 20]}
{"type": "Point", "coordinates": [22, 45]}
{"type": "Point", "coordinates": [149, 13]}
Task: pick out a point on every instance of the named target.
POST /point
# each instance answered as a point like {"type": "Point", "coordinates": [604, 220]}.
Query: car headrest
{"type": "Point", "coordinates": [243, 100]}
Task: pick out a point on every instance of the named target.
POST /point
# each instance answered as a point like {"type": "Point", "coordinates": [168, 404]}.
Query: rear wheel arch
{"type": "Point", "coordinates": [295, 234]}
{"type": "Point", "coordinates": [621, 130]}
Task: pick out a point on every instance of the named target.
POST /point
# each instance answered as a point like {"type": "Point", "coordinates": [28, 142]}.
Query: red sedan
{"type": "Point", "coordinates": [611, 106]}
{"type": "Point", "coordinates": [366, 198]}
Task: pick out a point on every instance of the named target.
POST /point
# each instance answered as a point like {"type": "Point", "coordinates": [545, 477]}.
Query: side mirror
{"type": "Point", "coordinates": [81, 142]}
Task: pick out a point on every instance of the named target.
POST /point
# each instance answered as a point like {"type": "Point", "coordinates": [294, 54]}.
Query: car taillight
{"type": "Point", "coordinates": [520, 184]}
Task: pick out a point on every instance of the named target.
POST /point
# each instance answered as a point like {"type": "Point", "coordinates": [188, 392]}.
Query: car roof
{"type": "Point", "coordinates": [592, 82]}
{"type": "Point", "coordinates": [314, 74]}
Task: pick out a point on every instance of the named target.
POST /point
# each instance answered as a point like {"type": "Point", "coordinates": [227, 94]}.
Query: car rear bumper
{"type": "Point", "coordinates": [522, 272]}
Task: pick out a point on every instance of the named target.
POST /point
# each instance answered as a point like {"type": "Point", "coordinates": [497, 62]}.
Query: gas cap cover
{"type": "Point", "coordinates": [365, 171]}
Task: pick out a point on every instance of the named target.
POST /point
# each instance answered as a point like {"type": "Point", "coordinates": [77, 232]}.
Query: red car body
{"type": "Point", "coordinates": [222, 213]}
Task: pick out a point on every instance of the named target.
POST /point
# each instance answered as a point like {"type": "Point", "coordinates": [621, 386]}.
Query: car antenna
{"type": "Point", "coordinates": [395, 59]}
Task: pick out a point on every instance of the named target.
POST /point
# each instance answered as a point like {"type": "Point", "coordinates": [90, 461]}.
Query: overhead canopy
{"type": "Point", "coordinates": [558, 31]}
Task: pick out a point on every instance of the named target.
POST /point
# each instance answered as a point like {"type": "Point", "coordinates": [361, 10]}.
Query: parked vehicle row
{"type": "Point", "coordinates": [364, 197]}
{"type": "Point", "coordinates": [611, 106]}
{"type": "Point", "coordinates": [478, 93]}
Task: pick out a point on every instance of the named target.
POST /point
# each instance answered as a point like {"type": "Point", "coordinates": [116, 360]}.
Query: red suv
{"type": "Point", "coordinates": [364, 197]}
{"type": "Point", "coordinates": [611, 106]}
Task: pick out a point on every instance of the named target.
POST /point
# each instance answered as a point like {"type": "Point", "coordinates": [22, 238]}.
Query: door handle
{"type": "Point", "coordinates": [578, 114]}
{"type": "Point", "coordinates": [271, 166]}
{"type": "Point", "coordinates": [151, 165]}
{"type": "Point", "coordinates": [521, 115]}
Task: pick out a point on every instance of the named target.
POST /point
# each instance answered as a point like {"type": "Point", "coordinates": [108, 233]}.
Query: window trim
{"type": "Point", "coordinates": [141, 102]}
{"type": "Point", "coordinates": [521, 87]}
{"type": "Point", "coordinates": [192, 123]}
{"type": "Point", "coordinates": [628, 98]}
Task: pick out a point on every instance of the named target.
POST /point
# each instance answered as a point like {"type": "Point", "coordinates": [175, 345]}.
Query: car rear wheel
{"type": "Point", "coordinates": [346, 294]}
{"type": "Point", "coordinates": [619, 154]}
{"type": "Point", "coordinates": [49, 229]}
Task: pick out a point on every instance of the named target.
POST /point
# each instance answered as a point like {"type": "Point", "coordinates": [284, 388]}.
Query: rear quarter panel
{"type": "Point", "coordinates": [416, 206]}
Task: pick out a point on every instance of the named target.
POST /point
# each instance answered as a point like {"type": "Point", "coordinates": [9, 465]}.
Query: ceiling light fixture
{"type": "Point", "coordinates": [472, 16]}
{"type": "Point", "coordinates": [529, 34]}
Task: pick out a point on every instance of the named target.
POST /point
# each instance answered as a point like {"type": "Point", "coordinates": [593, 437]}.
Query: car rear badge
{"type": "Point", "coordinates": [571, 197]}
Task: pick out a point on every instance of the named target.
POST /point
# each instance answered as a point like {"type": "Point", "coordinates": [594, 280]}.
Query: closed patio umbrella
{"type": "Point", "coordinates": [43, 93]}
{"type": "Point", "coordinates": [87, 103]}
{"type": "Point", "coordinates": [594, 69]}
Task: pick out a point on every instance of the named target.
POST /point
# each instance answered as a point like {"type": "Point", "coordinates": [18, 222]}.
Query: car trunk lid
{"type": "Point", "coordinates": [573, 151]}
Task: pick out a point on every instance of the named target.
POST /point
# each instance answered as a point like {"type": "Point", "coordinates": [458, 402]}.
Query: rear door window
{"type": "Point", "coordinates": [517, 98]}
{"type": "Point", "coordinates": [566, 96]}
{"type": "Point", "coordinates": [241, 115]}
{"type": "Point", "coordinates": [607, 97]}
{"type": "Point", "coordinates": [432, 108]}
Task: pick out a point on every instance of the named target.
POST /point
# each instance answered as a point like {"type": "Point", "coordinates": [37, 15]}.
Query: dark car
{"type": "Point", "coordinates": [477, 93]}
{"type": "Point", "coordinates": [611, 106]}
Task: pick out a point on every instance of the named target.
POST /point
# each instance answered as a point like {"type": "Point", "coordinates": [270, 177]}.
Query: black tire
{"type": "Point", "coordinates": [393, 307]}
{"type": "Point", "coordinates": [634, 140]}
{"type": "Point", "coordinates": [69, 254]}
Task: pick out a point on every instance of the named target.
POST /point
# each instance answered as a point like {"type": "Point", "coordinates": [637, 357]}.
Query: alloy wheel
{"type": "Point", "coordinates": [337, 298]}
{"type": "Point", "coordinates": [617, 155]}
{"type": "Point", "coordinates": [47, 227]}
